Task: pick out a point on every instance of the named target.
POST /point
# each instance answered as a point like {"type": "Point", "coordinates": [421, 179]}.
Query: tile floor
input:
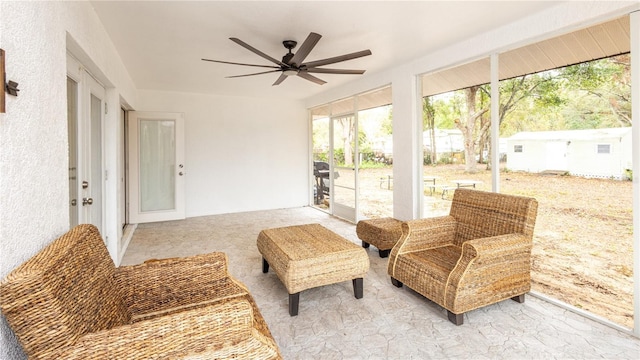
{"type": "Point", "coordinates": [388, 323]}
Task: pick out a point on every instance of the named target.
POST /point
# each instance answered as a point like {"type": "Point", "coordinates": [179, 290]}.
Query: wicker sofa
{"type": "Point", "coordinates": [69, 301]}
{"type": "Point", "coordinates": [478, 255]}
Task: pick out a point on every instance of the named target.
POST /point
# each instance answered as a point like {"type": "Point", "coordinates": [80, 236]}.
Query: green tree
{"type": "Point", "coordinates": [600, 91]}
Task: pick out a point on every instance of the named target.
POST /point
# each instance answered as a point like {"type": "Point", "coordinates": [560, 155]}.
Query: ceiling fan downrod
{"type": "Point", "coordinates": [289, 44]}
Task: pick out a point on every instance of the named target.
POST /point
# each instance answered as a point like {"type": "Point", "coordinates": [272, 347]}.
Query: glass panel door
{"type": "Point", "coordinates": [156, 166]}
{"type": "Point", "coordinates": [344, 175]}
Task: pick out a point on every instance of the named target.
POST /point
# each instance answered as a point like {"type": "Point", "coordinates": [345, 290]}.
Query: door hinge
{"type": "Point", "coordinates": [106, 108]}
{"type": "Point", "coordinates": [106, 175]}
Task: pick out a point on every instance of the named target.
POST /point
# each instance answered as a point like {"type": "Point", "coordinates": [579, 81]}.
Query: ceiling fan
{"type": "Point", "coordinates": [293, 64]}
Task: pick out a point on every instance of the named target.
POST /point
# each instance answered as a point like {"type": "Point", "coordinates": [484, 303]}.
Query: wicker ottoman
{"type": "Point", "coordinates": [382, 233]}
{"type": "Point", "coordinates": [308, 256]}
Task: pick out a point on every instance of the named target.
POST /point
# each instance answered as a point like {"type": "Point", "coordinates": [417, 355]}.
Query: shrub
{"type": "Point", "coordinates": [323, 156]}
{"type": "Point", "coordinates": [427, 159]}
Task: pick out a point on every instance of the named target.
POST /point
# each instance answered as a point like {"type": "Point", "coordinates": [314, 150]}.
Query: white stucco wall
{"type": "Point", "coordinates": [33, 132]}
{"type": "Point", "coordinates": [242, 154]}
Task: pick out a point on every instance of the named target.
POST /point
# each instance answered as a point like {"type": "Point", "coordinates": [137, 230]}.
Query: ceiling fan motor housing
{"type": "Point", "coordinates": [290, 44]}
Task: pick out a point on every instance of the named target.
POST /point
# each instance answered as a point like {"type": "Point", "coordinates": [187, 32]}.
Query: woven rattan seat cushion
{"type": "Point", "coordinates": [433, 264]}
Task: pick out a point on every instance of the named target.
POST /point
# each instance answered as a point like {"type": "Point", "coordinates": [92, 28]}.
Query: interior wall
{"type": "Point", "coordinates": [242, 154]}
{"type": "Point", "coordinates": [33, 132]}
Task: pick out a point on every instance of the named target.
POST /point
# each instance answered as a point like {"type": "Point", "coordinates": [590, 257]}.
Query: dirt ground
{"type": "Point", "coordinates": [583, 248]}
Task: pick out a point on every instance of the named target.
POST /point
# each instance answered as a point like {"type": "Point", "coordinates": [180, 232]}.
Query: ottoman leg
{"type": "Point", "coordinates": [365, 244]}
{"type": "Point", "coordinates": [294, 301]}
{"type": "Point", "coordinates": [358, 288]}
{"type": "Point", "coordinates": [265, 266]}
{"type": "Point", "coordinates": [384, 253]}
{"type": "Point", "coordinates": [457, 319]}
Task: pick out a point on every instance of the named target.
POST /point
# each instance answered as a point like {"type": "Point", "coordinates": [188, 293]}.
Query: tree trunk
{"type": "Point", "coordinates": [467, 130]}
{"type": "Point", "coordinates": [434, 153]}
{"type": "Point", "coordinates": [348, 132]}
{"type": "Point", "coordinates": [429, 122]}
{"type": "Point", "coordinates": [489, 152]}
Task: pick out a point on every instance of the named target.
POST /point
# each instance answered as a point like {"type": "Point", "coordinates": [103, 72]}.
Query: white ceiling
{"type": "Point", "coordinates": [161, 42]}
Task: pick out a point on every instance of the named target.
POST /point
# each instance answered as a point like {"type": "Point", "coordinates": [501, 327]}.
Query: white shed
{"type": "Point", "coordinates": [601, 153]}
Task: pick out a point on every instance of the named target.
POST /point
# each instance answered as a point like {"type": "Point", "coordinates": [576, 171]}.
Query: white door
{"type": "Point", "coordinates": [156, 166]}
{"type": "Point", "coordinates": [556, 156]}
{"type": "Point", "coordinates": [85, 115]}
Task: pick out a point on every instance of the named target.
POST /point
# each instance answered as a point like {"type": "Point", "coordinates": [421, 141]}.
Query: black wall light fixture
{"type": "Point", "coordinates": [12, 88]}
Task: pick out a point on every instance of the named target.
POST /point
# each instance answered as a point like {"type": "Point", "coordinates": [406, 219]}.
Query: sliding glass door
{"type": "Point", "coordinates": [341, 147]}
{"type": "Point", "coordinates": [345, 166]}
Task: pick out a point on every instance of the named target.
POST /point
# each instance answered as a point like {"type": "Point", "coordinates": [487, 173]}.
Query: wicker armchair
{"type": "Point", "coordinates": [70, 302]}
{"type": "Point", "coordinates": [478, 255]}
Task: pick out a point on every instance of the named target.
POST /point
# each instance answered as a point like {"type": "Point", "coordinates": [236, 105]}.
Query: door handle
{"type": "Point", "coordinates": [87, 201]}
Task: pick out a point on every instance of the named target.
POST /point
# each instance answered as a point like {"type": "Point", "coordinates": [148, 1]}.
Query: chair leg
{"type": "Point", "coordinates": [294, 301]}
{"type": "Point", "coordinates": [265, 266]}
{"type": "Point", "coordinates": [365, 244]}
{"type": "Point", "coordinates": [519, 298]}
{"type": "Point", "coordinates": [396, 283]}
{"type": "Point", "coordinates": [384, 253]}
{"type": "Point", "coordinates": [457, 319]}
{"type": "Point", "coordinates": [358, 291]}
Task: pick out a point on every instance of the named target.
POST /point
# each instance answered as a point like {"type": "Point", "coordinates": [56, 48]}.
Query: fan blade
{"type": "Point", "coordinates": [258, 73]}
{"type": "Point", "coordinates": [305, 75]}
{"type": "Point", "coordinates": [336, 59]}
{"type": "Point", "coordinates": [306, 48]}
{"type": "Point", "coordinates": [256, 51]}
{"type": "Point", "coordinates": [335, 71]}
{"type": "Point", "coordinates": [280, 79]}
{"type": "Point", "coordinates": [235, 63]}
